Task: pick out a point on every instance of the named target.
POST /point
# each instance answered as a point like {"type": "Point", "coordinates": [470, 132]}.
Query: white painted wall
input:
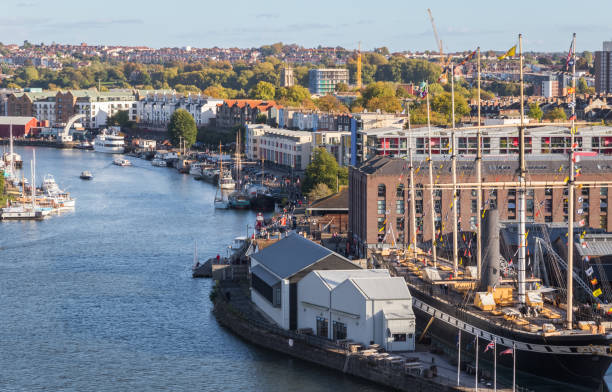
{"type": "Point", "coordinates": [276, 314]}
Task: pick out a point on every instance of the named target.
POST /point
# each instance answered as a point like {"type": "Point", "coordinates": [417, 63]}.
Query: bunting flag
{"type": "Point", "coordinates": [569, 61]}
{"type": "Point", "coordinates": [490, 346]}
{"type": "Point", "coordinates": [594, 281]}
{"type": "Point", "coordinates": [506, 352]}
{"type": "Point", "coordinates": [468, 58]}
{"type": "Point", "coordinates": [589, 271]}
{"type": "Point", "coordinates": [510, 53]}
{"type": "Point", "coordinates": [571, 90]}
{"type": "Point", "coordinates": [597, 293]}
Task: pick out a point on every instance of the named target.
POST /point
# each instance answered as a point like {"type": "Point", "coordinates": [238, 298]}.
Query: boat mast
{"type": "Point", "coordinates": [33, 184]}
{"type": "Point", "coordinates": [522, 241]}
{"type": "Point", "coordinates": [479, 180]}
{"type": "Point", "coordinates": [431, 189]}
{"type": "Point", "coordinates": [570, 201]}
{"type": "Point", "coordinates": [412, 194]}
{"type": "Point", "coordinates": [12, 166]}
{"type": "Point", "coordinates": [454, 169]}
{"type": "Point", "coordinates": [220, 165]}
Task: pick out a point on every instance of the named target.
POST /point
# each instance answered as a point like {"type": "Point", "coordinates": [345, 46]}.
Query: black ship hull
{"type": "Point", "coordinates": [262, 202]}
{"type": "Point", "coordinates": [583, 370]}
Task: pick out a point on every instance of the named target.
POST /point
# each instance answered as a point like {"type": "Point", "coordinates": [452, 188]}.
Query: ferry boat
{"type": "Point", "coordinates": [109, 142]}
{"type": "Point", "coordinates": [121, 162]}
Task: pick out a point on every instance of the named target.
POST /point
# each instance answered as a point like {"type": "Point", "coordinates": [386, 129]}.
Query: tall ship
{"type": "Point", "coordinates": [110, 142]}
{"type": "Point", "coordinates": [552, 315]}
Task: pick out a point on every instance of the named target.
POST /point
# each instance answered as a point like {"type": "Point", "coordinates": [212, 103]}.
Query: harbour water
{"type": "Point", "coordinates": [101, 299]}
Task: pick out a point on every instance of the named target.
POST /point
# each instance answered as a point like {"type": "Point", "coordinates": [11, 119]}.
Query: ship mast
{"type": "Point", "coordinates": [431, 188]}
{"type": "Point", "coordinates": [522, 241]}
{"type": "Point", "coordinates": [412, 194]}
{"type": "Point", "coordinates": [479, 180]}
{"type": "Point", "coordinates": [570, 201]}
{"type": "Point", "coordinates": [454, 169]}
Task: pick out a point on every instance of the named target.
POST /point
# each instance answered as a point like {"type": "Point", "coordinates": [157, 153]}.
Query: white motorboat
{"type": "Point", "coordinates": [86, 175]}
{"type": "Point", "coordinates": [196, 169]}
{"type": "Point", "coordinates": [122, 162]}
{"type": "Point", "coordinates": [159, 162]}
{"type": "Point", "coordinates": [60, 198]}
{"type": "Point", "coordinates": [22, 213]}
{"type": "Point", "coordinates": [15, 158]}
{"type": "Point", "coordinates": [109, 142]}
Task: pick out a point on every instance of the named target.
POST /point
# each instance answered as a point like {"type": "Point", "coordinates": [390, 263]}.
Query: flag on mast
{"type": "Point", "coordinates": [569, 61]}
{"type": "Point", "coordinates": [489, 346]}
{"type": "Point", "coordinates": [507, 351]}
{"type": "Point", "coordinates": [510, 53]}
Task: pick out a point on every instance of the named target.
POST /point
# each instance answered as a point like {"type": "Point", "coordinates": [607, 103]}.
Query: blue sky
{"type": "Point", "coordinates": [399, 25]}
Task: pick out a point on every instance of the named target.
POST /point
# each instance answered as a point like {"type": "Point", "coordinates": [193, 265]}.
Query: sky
{"type": "Point", "coordinates": [398, 25]}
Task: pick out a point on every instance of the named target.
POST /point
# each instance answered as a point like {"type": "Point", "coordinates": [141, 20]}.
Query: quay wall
{"type": "Point", "coordinates": [39, 143]}
{"type": "Point", "coordinates": [316, 350]}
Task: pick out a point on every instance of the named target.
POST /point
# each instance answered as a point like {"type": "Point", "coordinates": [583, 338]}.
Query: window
{"type": "Point", "coordinates": [400, 224]}
{"type": "Point", "coordinates": [399, 206]}
{"type": "Point", "coordinates": [603, 191]}
{"type": "Point", "coordinates": [322, 327]}
{"type": "Point", "coordinates": [473, 222]}
{"type": "Point", "coordinates": [399, 337]}
{"type": "Point", "coordinates": [400, 191]}
{"type": "Point", "coordinates": [339, 330]}
{"type": "Point", "coordinates": [438, 206]}
{"type": "Point", "coordinates": [382, 190]}
{"type": "Point", "coordinates": [474, 206]}
{"type": "Point", "coordinates": [381, 207]}
{"type": "Point", "coordinates": [603, 221]}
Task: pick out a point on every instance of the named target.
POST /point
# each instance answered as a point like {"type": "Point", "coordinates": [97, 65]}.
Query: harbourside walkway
{"type": "Point", "coordinates": [409, 371]}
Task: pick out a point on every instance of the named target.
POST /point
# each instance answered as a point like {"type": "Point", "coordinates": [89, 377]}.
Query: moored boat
{"type": "Point", "coordinates": [109, 142]}
{"type": "Point", "coordinates": [122, 162]}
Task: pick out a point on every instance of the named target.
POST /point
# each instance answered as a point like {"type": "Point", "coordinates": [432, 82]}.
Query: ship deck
{"type": "Point", "coordinates": [460, 292]}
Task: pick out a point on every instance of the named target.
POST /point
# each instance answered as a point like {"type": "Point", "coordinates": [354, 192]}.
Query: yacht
{"type": "Point", "coordinates": [60, 198]}
{"type": "Point", "coordinates": [109, 142]}
{"type": "Point", "coordinates": [122, 162]}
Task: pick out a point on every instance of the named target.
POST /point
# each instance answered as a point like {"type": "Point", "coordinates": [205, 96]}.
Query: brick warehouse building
{"type": "Point", "coordinates": [379, 191]}
{"type": "Point", "coordinates": [21, 126]}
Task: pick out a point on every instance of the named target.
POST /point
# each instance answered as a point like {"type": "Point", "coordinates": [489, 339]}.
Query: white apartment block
{"type": "Point", "coordinates": [156, 109]}
{"type": "Point", "coordinates": [279, 146]}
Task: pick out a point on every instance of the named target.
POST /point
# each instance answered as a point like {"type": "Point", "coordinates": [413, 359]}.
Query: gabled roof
{"type": "Point", "coordinates": [292, 254]}
{"type": "Point", "coordinates": [336, 202]}
{"type": "Point", "coordinates": [264, 275]}
{"type": "Point", "coordinates": [382, 288]}
{"type": "Point", "coordinates": [333, 278]}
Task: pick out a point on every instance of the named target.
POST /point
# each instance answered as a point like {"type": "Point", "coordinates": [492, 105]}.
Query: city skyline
{"type": "Point", "coordinates": [340, 23]}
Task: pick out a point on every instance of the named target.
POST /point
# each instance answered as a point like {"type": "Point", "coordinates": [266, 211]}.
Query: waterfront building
{"type": "Point", "coordinates": [323, 80]}
{"type": "Point", "coordinates": [290, 149]}
{"type": "Point", "coordinates": [363, 306]}
{"type": "Point", "coordinates": [57, 107]}
{"type": "Point", "coordinates": [330, 213]}
{"type": "Point", "coordinates": [21, 126]}
{"type": "Point", "coordinates": [239, 112]}
{"type": "Point", "coordinates": [156, 109]}
{"type": "Point", "coordinates": [603, 68]}
{"type": "Point", "coordinates": [547, 139]}
{"type": "Point", "coordinates": [379, 200]}
{"type": "Point", "coordinates": [277, 269]}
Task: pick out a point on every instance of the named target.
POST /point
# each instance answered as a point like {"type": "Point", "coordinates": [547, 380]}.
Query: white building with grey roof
{"type": "Point", "coordinates": [363, 306]}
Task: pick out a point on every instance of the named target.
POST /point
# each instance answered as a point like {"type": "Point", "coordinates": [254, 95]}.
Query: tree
{"type": "Point", "coordinates": [329, 103]}
{"type": "Point", "coordinates": [182, 125]}
{"type": "Point", "coordinates": [443, 104]}
{"type": "Point", "coordinates": [583, 88]}
{"type": "Point", "coordinates": [263, 90]}
{"type": "Point", "coordinates": [342, 87]}
{"type": "Point", "coordinates": [535, 112]}
{"type": "Point", "coordinates": [385, 104]}
{"type": "Point", "coordinates": [323, 169]}
{"type": "Point", "coordinates": [121, 118]}
{"type": "Point", "coordinates": [318, 192]}
{"type": "Point", "coordinates": [555, 114]}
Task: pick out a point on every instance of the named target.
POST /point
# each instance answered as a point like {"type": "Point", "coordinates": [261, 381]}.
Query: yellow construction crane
{"type": "Point", "coordinates": [359, 67]}
{"type": "Point", "coordinates": [443, 62]}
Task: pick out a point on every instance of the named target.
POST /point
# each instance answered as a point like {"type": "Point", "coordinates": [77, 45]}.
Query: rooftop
{"type": "Point", "coordinates": [333, 278]}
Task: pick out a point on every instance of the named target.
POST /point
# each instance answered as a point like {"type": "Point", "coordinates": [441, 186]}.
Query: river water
{"type": "Point", "coordinates": [101, 299]}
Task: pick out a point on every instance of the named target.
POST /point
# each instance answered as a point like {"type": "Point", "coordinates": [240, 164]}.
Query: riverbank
{"type": "Point", "coordinates": [38, 143]}
{"type": "Point", "coordinates": [234, 310]}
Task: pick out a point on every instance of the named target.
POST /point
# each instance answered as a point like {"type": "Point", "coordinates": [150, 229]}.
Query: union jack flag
{"type": "Point", "coordinates": [490, 346]}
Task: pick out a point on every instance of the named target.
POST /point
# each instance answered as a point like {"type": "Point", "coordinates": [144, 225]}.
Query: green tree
{"type": "Point", "coordinates": [121, 118]}
{"type": "Point", "coordinates": [555, 114]}
{"type": "Point", "coordinates": [442, 103]}
{"type": "Point", "coordinates": [329, 103]}
{"type": "Point", "coordinates": [263, 90]}
{"type": "Point", "coordinates": [385, 104]}
{"type": "Point", "coordinates": [318, 192]}
{"type": "Point", "coordinates": [535, 112]}
{"type": "Point", "coordinates": [182, 125]}
{"type": "Point", "coordinates": [323, 169]}
{"type": "Point", "coordinates": [583, 88]}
